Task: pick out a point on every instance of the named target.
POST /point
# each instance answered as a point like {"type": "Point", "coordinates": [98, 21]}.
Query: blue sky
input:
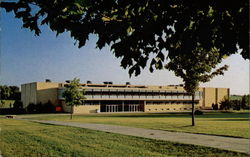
{"type": "Point", "coordinates": [27, 58]}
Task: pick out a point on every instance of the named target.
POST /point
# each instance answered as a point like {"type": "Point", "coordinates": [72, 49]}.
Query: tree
{"type": "Point", "coordinates": [155, 31]}
{"type": "Point", "coordinates": [72, 94]}
{"type": "Point", "coordinates": [245, 101]}
{"type": "Point", "coordinates": [15, 93]}
{"type": "Point", "coordinates": [14, 89]}
{"type": "Point", "coordinates": [194, 67]}
{"type": "Point", "coordinates": [5, 92]}
{"type": "Point", "coordinates": [9, 92]}
{"type": "Point", "coordinates": [140, 27]}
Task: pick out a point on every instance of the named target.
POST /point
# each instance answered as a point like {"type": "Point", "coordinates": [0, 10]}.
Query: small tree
{"type": "Point", "coordinates": [72, 94]}
{"type": "Point", "coordinates": [195, 67]}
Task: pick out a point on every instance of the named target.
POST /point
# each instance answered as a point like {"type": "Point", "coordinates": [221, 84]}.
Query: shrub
{"type": "Point", "coordinates": [48, 107]}
{"type": "Point", "coordinates": [215, 106]}
{"type": "Point", "coordinates": [245, 102]}
{"type": "Point", "coordinates": [198, 112]}
{"type": "Point", "coordinates": [41, 108]}
{"type": "Point", "coordinates": [31, 108]}
{"type": "Point", "coordinates": [18, 104]}
{"type": "Point", "coordinates": [226, 104]}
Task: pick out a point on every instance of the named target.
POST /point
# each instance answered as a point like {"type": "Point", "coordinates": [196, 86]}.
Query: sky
{"type": "Point", "coordinates": [26, 58]}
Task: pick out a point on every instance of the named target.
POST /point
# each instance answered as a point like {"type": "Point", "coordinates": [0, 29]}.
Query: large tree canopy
{"type": "Point", "coordinates": [159, 31]}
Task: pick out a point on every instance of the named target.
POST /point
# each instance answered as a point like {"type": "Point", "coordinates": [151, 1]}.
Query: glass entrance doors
{"type": "Point", "coordinates": [122, 106]}
{"type": "Point", "coordinates": [133, 108]}
{"type": "Point", "coordinates": [111, 108]}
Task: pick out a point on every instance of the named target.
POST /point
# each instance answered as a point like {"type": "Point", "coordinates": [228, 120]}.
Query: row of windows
{"type": "Point", "coordinates": [134, 95]}
{"type": "Point", "coordinates": [140, 93]}
{"type": "Point", "coordinates": [147, 103]}
{"type": "Point", "coordinates": [181, 97]}
{"type": "Point", "coordinates": [167, 109]}
{"type": "Point", "coordinates": [133, 90]}
{"type": "Point", "coordinates": [171, 102]}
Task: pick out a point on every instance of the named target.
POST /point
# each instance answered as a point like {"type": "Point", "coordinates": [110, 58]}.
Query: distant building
{"type": "Point", "coordinates": [109, 97]}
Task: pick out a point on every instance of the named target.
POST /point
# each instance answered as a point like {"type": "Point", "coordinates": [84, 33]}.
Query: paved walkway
{"type": "Point", "coordinates": [226, 143]}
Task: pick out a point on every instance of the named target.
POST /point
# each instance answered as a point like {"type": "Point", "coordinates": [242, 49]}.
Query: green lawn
{"type": "Point", "coordinates": [23, 138]}
{"type": "Point", "coordinates": [226, 124]}
{"type": "Point", "coordinates": [7, 104]}
{"type": "Point", "coordinates": [235, 97]}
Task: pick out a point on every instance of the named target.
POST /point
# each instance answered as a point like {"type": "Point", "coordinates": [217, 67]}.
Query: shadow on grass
{"type": "Point", "coordinates": [167, 115]}
{"type": "Point", "coordinates": [44, 123]}
{"type": "Point", "coordinates": [185, 126]}
{"type": "Point", "coordinates": [150, 115]}
{"type": "Point", "coordinates": [206, 115]}
{"type": "Point", "coordinates": [239, 119]}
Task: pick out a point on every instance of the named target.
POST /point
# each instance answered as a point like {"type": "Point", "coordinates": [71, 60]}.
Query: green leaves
{"type": "Point", "coordinates": [195, 35]}
{"type": "Point", "coordinates": [8, 6]}
{"type": "Point", "coordinates": [196, 66]}
{"type": "Point", "coordinates": [22, 10]}
{"type": "Point", "coordinates": [72, 94]}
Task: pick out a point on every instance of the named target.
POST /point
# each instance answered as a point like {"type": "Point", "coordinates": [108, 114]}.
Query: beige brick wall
{"type": "Point", "coordinates": [222, 93]}
{"type": "Point", "coordinates": [214, 96]}
{"type": "Point", "coordinates": [81, 109]}
{"type": "Point", "coordinates": [39, 92]}
{"type": "Point", "coordinates": [168, 108]}
{"type": "Point", "coordinates": [86, 109]}
{"type": "Point", "coordinates": [210, 97]}
{"type": "Point", "coordinates": [47, 91]}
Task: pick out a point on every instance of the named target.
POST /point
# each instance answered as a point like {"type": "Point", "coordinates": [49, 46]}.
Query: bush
{"type": "Point", "coordinates": [18, 104]}
{"type": "Point", "coordinates": [46, 108]}
{"type": "Point", "coordinates": [198, 112]}
{"type": "Point", "coordinates": [226, 104]}
{"type": "Point", "coordinates": [245, 101]}
{"type": "Point", "coordinates": [41, 108]}
{"type": "Point", "coordinates": [215, 106]}
{"type": "Point", "coordinates": [236, 104]}
{"type": "Point", "coordinates": [31, 108]}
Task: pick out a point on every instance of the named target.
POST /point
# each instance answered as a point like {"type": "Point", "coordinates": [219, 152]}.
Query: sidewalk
{"type": "Point", "coordinates": [226, 143]}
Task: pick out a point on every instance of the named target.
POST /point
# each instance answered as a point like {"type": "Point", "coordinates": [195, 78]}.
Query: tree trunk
{"type": "Point", "coordinates": [71, 115]}
{"type": "Point", "coordinates": [193, 123]}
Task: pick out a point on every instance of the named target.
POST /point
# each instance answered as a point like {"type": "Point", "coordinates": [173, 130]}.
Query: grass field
{"type": "Point", "coordinates": [235, 97]}
{"type": "Point", "coordinates": [226, 124]}
{"type": "Point", "coordinates": [7, 104]}
{"type": "Point", "coordinates": [22, 138]}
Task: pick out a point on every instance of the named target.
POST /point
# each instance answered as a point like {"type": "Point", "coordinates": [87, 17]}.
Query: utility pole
{"type": "Point", "coordinates": [193, 123]}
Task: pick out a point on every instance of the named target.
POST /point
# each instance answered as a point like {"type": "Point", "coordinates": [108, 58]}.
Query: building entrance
{"type": "Point", "coordinates": [111, 108]}
{"type": "Point", "coordinates": [121, 106]}
{"type": "Point", "coordinates": [133, 108]}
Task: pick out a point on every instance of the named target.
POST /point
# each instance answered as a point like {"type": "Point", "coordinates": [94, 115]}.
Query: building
{"type": "Point", "coordinates": [109, 97]}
